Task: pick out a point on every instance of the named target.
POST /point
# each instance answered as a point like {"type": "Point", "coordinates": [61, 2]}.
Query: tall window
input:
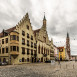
{"type": "Point", "coordinates": [23, 41]}
{"type": "Point", "coordinates": [31, 52]}
{"type": "Point", "coordinates": [27, 27]}
{"type": "Point", "coordinates": [23, 59]}
{"type": "Point", "coordinates": [2, 41]}
{"type": "Point", "coordinates": [23, 33]}
{"type": "Point", "coordinates": [42, 50]}
{"type": "Point", "coordinates": [27, 35]}
{"type": "Point", "coordinates": [3, 50]}
{"type": "Point", "coordinates": [27, 42]}
{"type": "Point", "coordinates": [6, 50]}
{"type": "Point", "coordinates": [23, 50]}
{"type": "Point", "coordinates": [27, 59]}
{"type": "Point", "coordinates": [31, 44]}
{"type": "Point", "coordinates": [14, 48]}
{"type": "Point", "coordinates": [6, 40]}
{"type": "Point", "coordinates": [14, 37]}
{"type": "Point", "coordinates": [31, 37]}
{"type": "Point", "coordinates": [27, 51]}
{"type": "Point", "coordinates": [39, 49]}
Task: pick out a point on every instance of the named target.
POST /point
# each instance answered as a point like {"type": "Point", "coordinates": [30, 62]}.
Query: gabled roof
{"type": "Point", "coordinates": [8, 30]}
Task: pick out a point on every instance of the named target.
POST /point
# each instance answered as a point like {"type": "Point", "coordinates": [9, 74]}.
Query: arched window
{"type": "Point", "coordinates": [23, 59]}
{"type": "Point", "coordinates": [4, 59]}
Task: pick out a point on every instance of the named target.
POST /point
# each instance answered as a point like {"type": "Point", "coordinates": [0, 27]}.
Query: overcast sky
{"type": "Point", "coordinates": [61, 17]}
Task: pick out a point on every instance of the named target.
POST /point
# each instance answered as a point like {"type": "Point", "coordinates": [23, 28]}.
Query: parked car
{"type": "Point", "coordinates": [48, 61]}
{"type": "Point", "coordinates": [3, 63]}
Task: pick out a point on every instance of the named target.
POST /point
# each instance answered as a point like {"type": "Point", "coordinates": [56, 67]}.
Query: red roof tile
{"type": "Point", "coordinates": [8, 30]}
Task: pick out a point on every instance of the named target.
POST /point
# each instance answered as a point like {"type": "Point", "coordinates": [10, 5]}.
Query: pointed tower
{"type": "Point", "coordinates": [44, 21]}
{"type": "Point", "coordinates": [68, 45]}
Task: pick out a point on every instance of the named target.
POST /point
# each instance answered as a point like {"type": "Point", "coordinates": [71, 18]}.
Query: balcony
{"type": "Point", "coordinates": [14, 53]}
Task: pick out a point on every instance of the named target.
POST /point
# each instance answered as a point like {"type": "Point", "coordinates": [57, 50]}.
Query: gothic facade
{"type": "Point", "coordinates": [22, 44]}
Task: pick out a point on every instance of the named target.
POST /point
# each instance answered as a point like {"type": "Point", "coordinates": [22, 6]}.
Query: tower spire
{"type": "Point", "coordinates": [67, 35]}
{"type": "Point", "coordinates": [44, 16]}
{"type": "Point", "coordinates": [44, 20]}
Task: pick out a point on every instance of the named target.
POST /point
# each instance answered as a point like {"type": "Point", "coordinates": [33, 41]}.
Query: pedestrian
{"type": "Point", "coordinates": [59, 61]}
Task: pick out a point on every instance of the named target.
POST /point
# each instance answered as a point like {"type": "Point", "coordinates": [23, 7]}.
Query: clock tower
{"type": "Point", "coordinates": [68, 45]}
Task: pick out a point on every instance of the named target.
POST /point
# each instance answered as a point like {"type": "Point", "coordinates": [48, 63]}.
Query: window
{"type": "Point", "coordinates": [3, 50]}
{"type": "Point", "coordinates": [31, 37]}
{"type": "Point", "coordinates": [23, 59]}
{"type": "Point", "coordinates": [27, 59]}
{"type": "Point", "coordinates": [4, 59]}
{"type": "Point", "coordinates": [42, 50]}
{"type": "Point", "coordinates": [31, 44]}
{"type": "Point", "coordinates": [27, 35]}
{"type": "Point", "coordinates": [27, 27]}
{"type": "Point", "coordinates": [27, 51]}
{"type": "Point", "coordinates": [6, 40]}
{"type": "Point", "coordinates": [14, 37]}
{"type": "Point", "coordinates": [23, 33]}
{"type": "Point", "coordinates": [31, 52]}
{"type": "Point", "coordinates": [23, 50]}
{"type": "Point", "coordinates": [27, 42]}
{"type": "Point", "coordinates": [6, 50]}
{"type": "Point", "coordinates": [17, 48]}
{"type": "Point", "coordinates": [23, 41]}
{"type": "Point", "coordinates": [14, 48]}
{"type": "Point", "coordinates": [17, 38]}
{"type": "Point", "coordinates": [39, 49]}
{"type": "Point", "coordinates": [2, 41]}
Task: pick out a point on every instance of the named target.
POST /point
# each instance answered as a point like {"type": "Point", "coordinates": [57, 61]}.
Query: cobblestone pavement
{"type": "Point", "coordinates": [65, 69]}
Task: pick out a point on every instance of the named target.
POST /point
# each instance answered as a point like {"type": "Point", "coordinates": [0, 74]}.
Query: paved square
{"type": "Point", "coordinates": [66, 69]}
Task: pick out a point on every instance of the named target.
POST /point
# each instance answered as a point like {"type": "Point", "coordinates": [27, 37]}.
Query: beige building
{"type": "Point", "coordinates": [21, 44]}
{"type": "Point", "coordinates": [45, 49]}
